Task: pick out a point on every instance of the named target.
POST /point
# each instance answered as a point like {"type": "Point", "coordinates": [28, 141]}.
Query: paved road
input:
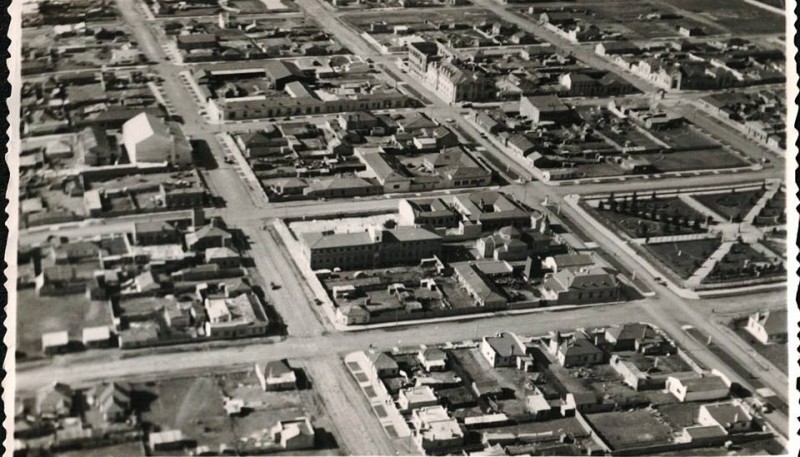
{"type": "Point", "coordinates": [117, 365]}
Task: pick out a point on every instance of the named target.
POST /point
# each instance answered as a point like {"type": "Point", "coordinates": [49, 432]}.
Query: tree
{"type": "Point", "coordinates": [611, 198]}
{"type": "Point", "coordinates": [601, 205]}
{"type": "Point", "coordinates": [696, 225]}
{"type": "Point", "coordinates": [390, 224]}
{"type": "Point", "coordinates": [653, 196]}
{"type": "Point", "coordinates": [737, 218]}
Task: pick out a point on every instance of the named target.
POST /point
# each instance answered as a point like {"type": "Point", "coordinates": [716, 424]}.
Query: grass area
{"type": "Point", "coordinates": [196, 407]}
{"type": "Point", "coordinates": [630, 428]}
{"type": "Point", "coordinates": [684, 257]}
{"type": "Point", "coordinates": [708, 159]}
{"type": "Point", "coordinates": [732, 205]}
{"type": "Point", "coordinates": [649, 217]}
{"type": "Point", "coordinates": [735, 15]}
{"type": "Point", "coordinates": [38, 315]}
{"type": "Point", "coordinates": [777, 246]}
{"type": "Point", "coordinates": [775, 353]}
{"type": "Point", "coordinates": [680, 415]}
{"type": "Point", "coordinates": [743, 262]}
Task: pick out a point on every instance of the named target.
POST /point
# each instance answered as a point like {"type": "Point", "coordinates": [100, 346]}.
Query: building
{"type": "Point", "coordinates": [293, 435]}
{"type": "Point", "coordinates": [506, 350]}
{"type": "Point", "coordinates": [111, 399]}
{"type": "Point", "coordinates": [96, 337]}
{"type": "Point", "coordinates": [697, 388]}
{"type": "Point", "coordinates": [511, 244]}
{"type": "Point", "coordinates": [768, 327]}
{"type": "Point", "coordinates": [54, 400]}
{"type": "Point", "coordinates": [435, 431]}
{"type": "Point", "coordinates": [93, 143]}
{"type": "Point", "coordinates": [383, 366]}
{"type": "Point", "coordinates": [637, 337]}
{"type": "Point", "coordinates": [155, 233]}
{"type": "Point", "coordinates": [416, 397]}
{"type": "Point", "coordinates": [575, 350]}
{"type": "Point", "coordinates": [433, 359]}
{"type": "Point", "coordinates": [434, 212]}
{"type": "Point", "coordinates": [492, 210]}
{"type": "Point", "coordinates": [276, 375]}
{"type": "Point", "coordinates": [581, 286]}
{"type": "Point", "coordinates": [729, 415]}
{"type": "Point", "coordinates": [148, 139]}
{"type": "Point", "coordinates": [166, 440]}
{"type": "Point", "coordinates": [55, 342]}
{"type": "Point", "coordinates": [545, 108]}
{"type": "Point", "coordinates": [475, 278]}
{"type": "Point", "coordinates": [235, 317]}
{"type": "Point", "coordinates": [224, 257]}
{"type": "Point", "coordinates": [370, 249]}
{"type": "Point", "coordinates": [208, 236]}
{"type": "Point", "coordinates": [453, 82]}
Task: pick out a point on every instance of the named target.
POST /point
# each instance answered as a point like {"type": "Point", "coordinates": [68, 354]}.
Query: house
{"type": "Point", "coordinates": [637, 337]}
{"type": "Point", "coordinates": [586, 285]}
{"type": "Point", "coordinates": [492, 210]}
{"type": "Point", "coordinates": [352, 315]}
{"type": "Point", "coordinates": [433, 359]}
{"type": "Point", "coordinates": [155, 233]}
{"type": "Point", "coordinates": [545, 108]}
{"type": "Point", "coordinates": [166, 440]}
{"type": "Point", "coordinates": [511, 244]}
{"type": "Point", "coordinates": [209, 236]}
{"type": "Point", "coordinates": [506, 350]}
{"type": "Point", "coordinates": [434, 212]}
{"type": "Point", "coordinates": [148, 139]}
{"type": "Point", "coordinates": [195, 41]}
{"type": "Point", "coordinates": [697, 388]}
{"type": "Point", "coordinates": [54, 400]}
{"type": "Point", "coordinates": [93, 142]}
{"type": "Point", "coordinates": [435, 431]}
{"type": "Point", "coordinates": [235, 317]}
{"type": "Point", "coordinates": [358, 121]}
{"type": "Point", "coordinates": [473, 277]}
{"type": "Point", "coordinates": [96, 337]}
{"type": "Point", "coordinates": [383, 366]}
{"type": "Point", "coordinates": [768, 327]}
{"type": "Point", "coordinates": [176, 315]}
{"type": "Point", "coordinates": [55, 342]}
{"type": "Point", "coordinates": [416, 397]}
{"type": "Point", "coordinates": [224, 257]}
{"type": "Point", "coordinates": [276, 375]}
{"type": "Point", "coordinates": [294, 434]}
{"type": "Point", "coordinates": [728, 415]}
{"type": "Point", "coordinates": [575, 350]}
{"type": "Point", "coordinates": [611, 48]}
{"type": "Point", "coordinates": [265, 143]}
{"type": "Point", "coordinates": [111, 399]}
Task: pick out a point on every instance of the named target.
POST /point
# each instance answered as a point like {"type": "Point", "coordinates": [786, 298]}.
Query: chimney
{"type": "Point", "coordinates": [655, 362]}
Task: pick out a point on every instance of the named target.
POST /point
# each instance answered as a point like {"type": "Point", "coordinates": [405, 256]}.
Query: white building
{"type": "Point", "coordinates": [148, 139]}
{"type": "Point", "coordinates": [694, 388]}
{"type": "Point", "coordinates": [769, 327]}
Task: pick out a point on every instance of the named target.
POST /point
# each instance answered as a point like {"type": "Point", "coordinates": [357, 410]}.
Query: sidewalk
{"type": "Point", "coordinates": [700, 274]}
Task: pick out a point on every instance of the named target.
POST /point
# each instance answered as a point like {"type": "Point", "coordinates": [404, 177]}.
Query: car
{"type": "Point", "coordinates": [274, 286]}
{"type": "Point", "coordinates": [228, 160]}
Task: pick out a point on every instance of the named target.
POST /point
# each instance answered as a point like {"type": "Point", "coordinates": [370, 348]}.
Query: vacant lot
{"type": "Point", "coordinates": [707, 159]}
{"type": "Point", "coordinates": [630, 428]}
{"type": "Point", "coordinates": [648, 217]}
{"type": "Point", "coordinates": [683, 257]}
{"type": "Point", "coordinates": [37, 315]}
{"type": "Point", "coordinates": [735, 15]}
{"type": "Point", "coordinates": [731, 204]}
{"type": "Point", "coordinates": [775, 353]}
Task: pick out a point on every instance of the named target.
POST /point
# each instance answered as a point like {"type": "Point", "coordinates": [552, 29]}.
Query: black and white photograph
{"type": "Point", "coordinates": [401, 228]}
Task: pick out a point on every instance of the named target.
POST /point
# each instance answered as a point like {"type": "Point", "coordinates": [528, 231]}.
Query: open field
{"type": "Point", "coordinates": [37, 315]}
{"type": "Point", "coordinates": [707, 159]}
{"type": "Point", "coordinates": [775, 353]}
{"type": "Point", "coordinates": [630, 428]}
{"type": "Point", "coordinates": [735, 15]}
